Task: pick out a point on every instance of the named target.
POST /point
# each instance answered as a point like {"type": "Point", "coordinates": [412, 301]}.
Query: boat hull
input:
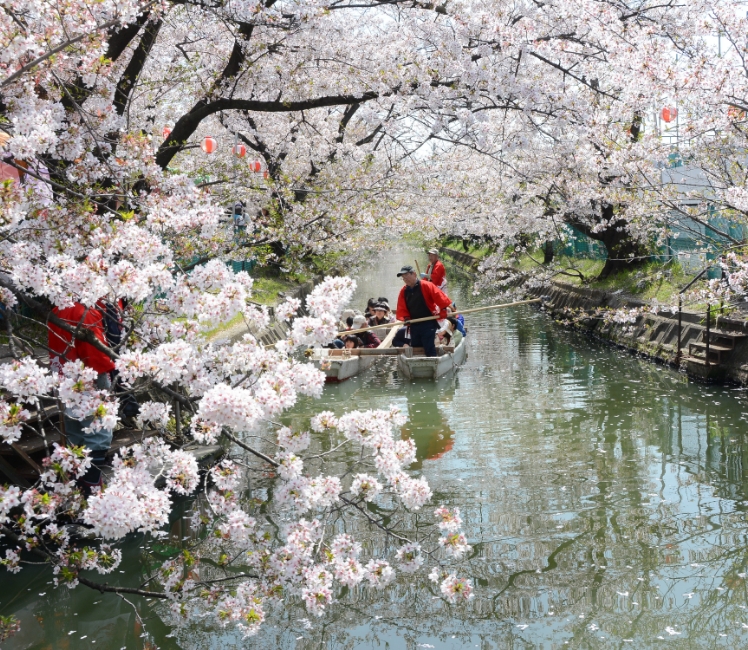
{"type": "Point", "coordinates": [342, 368]}
{"type": "Point", "coordinates": [431, 367]}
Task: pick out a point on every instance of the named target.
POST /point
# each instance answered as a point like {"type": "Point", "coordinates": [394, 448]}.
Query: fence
{"type": "Point", "coordinates": [694, 245]}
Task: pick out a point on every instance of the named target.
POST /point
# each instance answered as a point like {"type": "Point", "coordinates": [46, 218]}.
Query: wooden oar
{"type": "Point", "coordinates": [423, 320]}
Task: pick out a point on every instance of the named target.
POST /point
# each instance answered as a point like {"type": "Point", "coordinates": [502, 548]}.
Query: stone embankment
{"type": "Point", "coordinates": [714, 348]}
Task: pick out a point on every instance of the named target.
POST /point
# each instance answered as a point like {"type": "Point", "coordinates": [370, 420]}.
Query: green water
{"type": "Point", "coordinates": [605, 497]}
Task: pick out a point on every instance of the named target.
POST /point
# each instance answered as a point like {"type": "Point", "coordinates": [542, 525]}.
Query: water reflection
{"type": "Point", "coordinates": [427, 425]}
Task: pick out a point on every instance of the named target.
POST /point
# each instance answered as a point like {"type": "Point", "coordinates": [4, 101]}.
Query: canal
{"type": "Point", "coordinates": [604, 496]}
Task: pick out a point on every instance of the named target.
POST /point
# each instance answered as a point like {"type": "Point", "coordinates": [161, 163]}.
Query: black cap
{"type": "Point", "coordinates": [406, 269]}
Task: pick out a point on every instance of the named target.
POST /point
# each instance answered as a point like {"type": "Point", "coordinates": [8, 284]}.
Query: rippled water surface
{"type": "Point", "coordinates": [605, 498]}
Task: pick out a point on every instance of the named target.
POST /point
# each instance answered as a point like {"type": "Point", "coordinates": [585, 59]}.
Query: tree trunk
{"type": "Point", "coordinates": [623, 251]}
{"type": "Point", "coordinates": [548, 252]}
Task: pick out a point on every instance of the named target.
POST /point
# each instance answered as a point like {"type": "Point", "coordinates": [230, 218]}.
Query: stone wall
{"type": "Point", "coordinates": [654, 335]}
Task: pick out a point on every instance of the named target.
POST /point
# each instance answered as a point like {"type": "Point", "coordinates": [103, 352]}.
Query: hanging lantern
{"type": "Point", "coordinates": [166, 132]}
{"type": "Point", "coordinates": [669, 113]}
{"type": "Point", "coordinates": [209, 144]}
{"type": "Point", "coordinates": [255, 166]}
{"type": "Point", "coordinates": [239, 150]}
{"type": "Point", "coordinates": [266, 174]}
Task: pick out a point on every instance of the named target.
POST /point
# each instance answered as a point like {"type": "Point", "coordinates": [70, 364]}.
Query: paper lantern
{"type": "Point", "coordinates": [239, 150]}
{"type": "Point", "coordinates": [669, 113]}
{"type": "Point", "coordinates": [166, 132]}
{"type": "Point", "coordinates": [209, 144]}
{"type": "Point", "coordinates": [266, 175]}
{"type": "Point", "coordinates": [255, 166]}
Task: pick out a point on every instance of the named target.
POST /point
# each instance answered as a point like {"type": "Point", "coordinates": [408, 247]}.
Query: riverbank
{"type": "Point", "coordinates": [276, 330]}
{"type": "Point", "coordinates": [711, 347]}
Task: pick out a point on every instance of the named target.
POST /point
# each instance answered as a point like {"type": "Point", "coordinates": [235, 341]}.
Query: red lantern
{"type": "Point", "coordinates": [209, 144]}
{"type": "Point", "coordinates": [166, 132]}
{"type": "Point", "coordinates": [266, 175]}
{"type": "Point", "coordinates": [239, 150]}
{"type": "Point", "coordinates": [669, 113]}
{"type": "Point", "coordinates": [255, 166]}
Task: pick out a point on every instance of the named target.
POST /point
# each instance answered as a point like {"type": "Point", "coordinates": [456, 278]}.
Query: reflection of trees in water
{"type": "Point", "coordinates": [576, 523]}
{"type": "Point", "coordinates": [566, 523]}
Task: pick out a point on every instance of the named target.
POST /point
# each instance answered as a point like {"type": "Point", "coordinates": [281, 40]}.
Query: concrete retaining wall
{"type": "Point", "coordinates": [649, 334]}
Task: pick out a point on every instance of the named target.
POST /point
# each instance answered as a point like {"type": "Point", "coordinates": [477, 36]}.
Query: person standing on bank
{"type": "Point", "coordinates": [435, 271]}
{"type": "Point", "coordinates": [421, 299]}
{"type": "Point", "coordinates": [64, 348]}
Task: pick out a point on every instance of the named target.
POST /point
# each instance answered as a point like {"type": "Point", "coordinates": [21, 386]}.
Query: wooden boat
{"type": "Point", "coordinates": [339, 365]}
{"type": "Point", "coordinates": [414, 364]}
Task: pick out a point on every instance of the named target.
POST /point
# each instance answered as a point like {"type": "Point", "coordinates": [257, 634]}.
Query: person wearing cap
{"type": "Point", "coordinates": [381, 315]}
{"type": "Point", "coordinates": [435, 271]}
{"type": "Point", "coordinates": [421, 299]}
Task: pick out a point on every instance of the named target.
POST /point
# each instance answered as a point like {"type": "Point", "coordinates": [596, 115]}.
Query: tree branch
{"type": "Point", "coordinates": [121, 590]}
{"type": "Point", "coordinates": [188, 123]}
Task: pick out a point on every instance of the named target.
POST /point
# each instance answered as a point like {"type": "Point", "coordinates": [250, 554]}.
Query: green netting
{"type": "Point", "coordinates": [242, 265]}
{"type": "Point", "coordinates": [693, 244]}
{"type": "Point", "coordinates": [577, 244]}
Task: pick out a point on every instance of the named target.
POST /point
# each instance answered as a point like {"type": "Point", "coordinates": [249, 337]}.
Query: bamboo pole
{"type": "Point", "coordinates": [427, 318]}
{"type": "Point", "coordinates": [418, 268]}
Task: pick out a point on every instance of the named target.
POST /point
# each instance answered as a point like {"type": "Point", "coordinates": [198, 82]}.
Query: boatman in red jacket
{"type": "Point", "coordinates": [435, 271]}
{"type": "Point", "coordinates": [420, 299]}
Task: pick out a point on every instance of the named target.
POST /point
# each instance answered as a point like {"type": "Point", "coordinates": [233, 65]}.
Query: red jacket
{"type": "Point", "coordinates": [438, 273]}
{"type": "Point", "coordinates": [62, 347]}
{"type": "Point", "coordinates": [435, 300]}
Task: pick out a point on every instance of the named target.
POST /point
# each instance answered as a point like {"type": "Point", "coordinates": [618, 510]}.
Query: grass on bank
{"type": "Point", "coordinates": [268, 283]}
{"type": "Point", "coordinates": [652, 281]}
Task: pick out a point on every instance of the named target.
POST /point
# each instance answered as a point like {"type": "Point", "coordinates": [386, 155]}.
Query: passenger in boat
{"type": "Point", "coordinates": [435, 271]}
{"type": "Point", "coordinates": [402, 338]}
{"type": "Point", "coordinates": [347, 313]}
{"type": "Point", "coordinates": [369, 339]}
{"type": "Point", "coordinates": [460, 320]}
{"type": "Point", "coordinates": [442, 338]}
{"type": "Point", "coordinates": [421, 299]}
{"type": "Point", "coordinates": [352, 342]}
{"type": "Point", "coordinates": [369, 313]}
{"type": "Point", "coordinates": [450, 333]}
{"type": "Point", "coordinates": [381, 315]}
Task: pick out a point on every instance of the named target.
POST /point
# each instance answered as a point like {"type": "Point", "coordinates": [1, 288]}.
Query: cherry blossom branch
{"type": "Point", "coordinates": [121, 590]}
{"type": "Point", "coordinates": [40, 59]}
{"type": "Point", "coordinates": [372, 520]}
{"type": "Point", "coordinates": [251, 450]}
